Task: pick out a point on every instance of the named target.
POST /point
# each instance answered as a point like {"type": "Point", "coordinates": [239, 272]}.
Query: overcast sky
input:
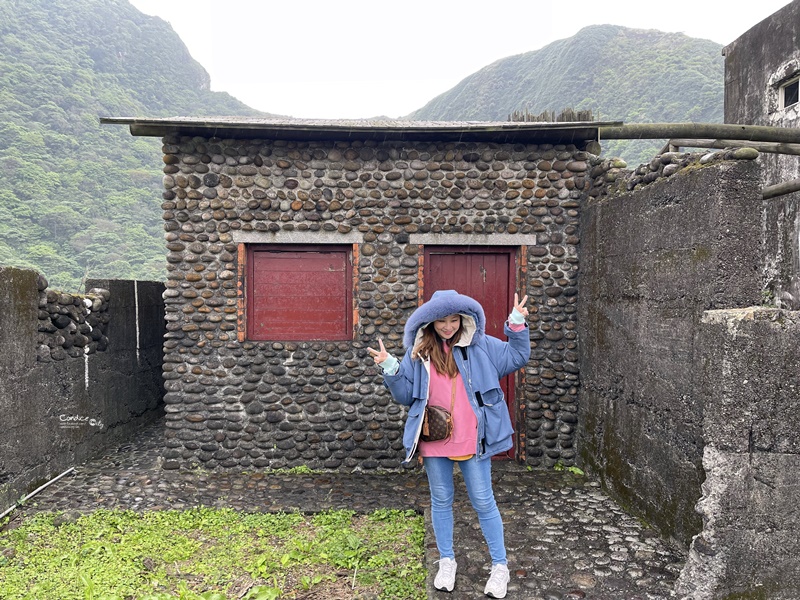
{"type": "Point", "coordinates": [351, 59]}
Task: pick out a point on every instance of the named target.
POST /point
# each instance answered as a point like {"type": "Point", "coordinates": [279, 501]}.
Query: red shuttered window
{"type": "Point", "coordinates": [299, 293]}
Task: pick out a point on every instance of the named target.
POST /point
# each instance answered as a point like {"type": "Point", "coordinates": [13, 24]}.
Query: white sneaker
{"type": "Point", "coordinates": [446, 577]}
{"type": "Point", "coordinates": [497, 585]}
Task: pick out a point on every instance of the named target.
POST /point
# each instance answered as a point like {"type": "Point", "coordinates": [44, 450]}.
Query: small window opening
{"type": "Point", "coordinates": [299, 293]}
{"type": "Point", "coordinates": [790, 93]}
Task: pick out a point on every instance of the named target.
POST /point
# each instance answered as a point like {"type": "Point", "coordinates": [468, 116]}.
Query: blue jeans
{"type": "Point", "coordinates": [478, 479]}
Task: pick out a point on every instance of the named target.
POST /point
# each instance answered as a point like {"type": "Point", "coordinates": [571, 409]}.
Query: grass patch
{"type": "Point", "coordinates": [214, 554]}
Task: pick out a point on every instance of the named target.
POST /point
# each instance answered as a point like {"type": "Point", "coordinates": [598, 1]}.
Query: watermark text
{"type": "Point", "coordinates": [77, 421]}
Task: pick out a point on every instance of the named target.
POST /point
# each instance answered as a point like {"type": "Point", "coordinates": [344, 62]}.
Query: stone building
{"type": "Point", "coordinates": [294, 245]}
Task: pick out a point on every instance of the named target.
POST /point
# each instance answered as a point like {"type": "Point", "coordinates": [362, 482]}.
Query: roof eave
{"type": "Point", "coordinates": [497, 132]}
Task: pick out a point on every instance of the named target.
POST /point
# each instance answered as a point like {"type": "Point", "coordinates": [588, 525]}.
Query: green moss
{"type": "Point", "coordinates": [697, 166]}
{"type": "Point", "coordinates": [759, 594]}
{"type": "Point", "coordinates": [701, 254]}
{"type": "Point", "coordinates": [767, 297]}
{"type": "Point", "coordinates": [36, 483]}
{"type": "Point", "coordinates": [611, 456]}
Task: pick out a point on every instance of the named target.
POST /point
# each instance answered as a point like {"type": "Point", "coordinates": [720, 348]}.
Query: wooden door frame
{"type": "Point", "coordinates": [516, 274]}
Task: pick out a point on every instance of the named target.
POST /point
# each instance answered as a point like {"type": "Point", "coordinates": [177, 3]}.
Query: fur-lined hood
{"type": "Point", "coordinates": [442, 304]}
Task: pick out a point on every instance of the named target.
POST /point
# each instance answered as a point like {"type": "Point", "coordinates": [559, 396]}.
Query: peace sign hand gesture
{"type": "Point", "coordinates": [379, 355]}
{"type": "Point", "coordinates": [384, 360]}
{"type": "Point", "coordinates": [519, 305]}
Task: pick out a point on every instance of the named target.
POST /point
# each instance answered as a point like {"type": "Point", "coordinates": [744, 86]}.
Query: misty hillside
{"type": "Point", "coordinates": [78, 198]}
{"type": "Point", "coordinates": [631, 75]}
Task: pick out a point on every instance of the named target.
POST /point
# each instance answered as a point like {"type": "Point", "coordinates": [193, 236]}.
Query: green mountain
{"type": "Point", "coordinates": [79, 199]}
{"type": "Point", "coordinates": [631, 75]}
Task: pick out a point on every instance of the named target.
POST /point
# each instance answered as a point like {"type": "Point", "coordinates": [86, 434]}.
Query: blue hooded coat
{"type": "Point", "coordinates": [482, 361]}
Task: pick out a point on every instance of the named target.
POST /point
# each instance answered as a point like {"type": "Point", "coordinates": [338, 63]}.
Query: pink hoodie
{"type": "Point", "coordinates": [465, 423]}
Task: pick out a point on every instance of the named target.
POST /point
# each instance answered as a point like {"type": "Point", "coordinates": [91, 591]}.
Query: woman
{"type": "Point", "coordinates": [451, 361]}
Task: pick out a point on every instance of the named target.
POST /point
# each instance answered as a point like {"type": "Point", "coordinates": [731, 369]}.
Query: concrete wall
{"type": "Point", "coordinates": [652, 261]}
{"type": "Point", "coordinates": [756, 65]}
{"type": "Point", "coordinates": [57, 413]}
{"type": "Point", "coordinates": [750, 541]}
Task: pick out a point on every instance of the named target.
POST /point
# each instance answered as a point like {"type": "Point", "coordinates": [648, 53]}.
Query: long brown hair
{"type": "Point", "coordinates": [430, 347]}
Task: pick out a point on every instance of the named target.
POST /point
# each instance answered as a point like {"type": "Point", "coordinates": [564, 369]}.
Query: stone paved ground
{"type": "Point", "coordinates": [566, 539]}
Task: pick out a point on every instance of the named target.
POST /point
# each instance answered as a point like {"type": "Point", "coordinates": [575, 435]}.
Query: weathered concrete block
{"type": "Point", "coordinates": [756, 64]}
{"type": "Point", "coordinates": [19, 298]}
{"type": "Point", "coordinates": [751, 529]}
{"type": "Point", "coordinates": [751, 381]}
{"type": "Point", "coordinates": [782, 273]}
{"type": "Point", "coordinates": [749, 543]}
{"type": "Point", "coordinates": [151, 310]}
{"type": "Point", "coordinates": [123, 301]}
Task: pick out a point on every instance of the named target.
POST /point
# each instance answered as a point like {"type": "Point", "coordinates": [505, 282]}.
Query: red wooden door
{"type": "Point", "coordinates": [489, 276]}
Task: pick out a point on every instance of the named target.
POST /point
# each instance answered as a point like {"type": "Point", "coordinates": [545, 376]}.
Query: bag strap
{"type": "Point", "coordinates": [453, 395]}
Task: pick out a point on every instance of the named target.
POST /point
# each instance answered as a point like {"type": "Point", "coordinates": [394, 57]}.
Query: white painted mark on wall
{"type": "Point", "coordinates": [796, 261]}
{"type": "Point", "coordinates": [136, 302]}
{"type": "Point", "coordinates": [86, 368]}
{"type": "Point", "coordinates": [88, 305]}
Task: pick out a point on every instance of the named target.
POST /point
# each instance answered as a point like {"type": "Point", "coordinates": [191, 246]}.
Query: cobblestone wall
{"type": "Point", "coordinates": [71, 325]}
{"type": "Point", "coordinates": [234, 403]}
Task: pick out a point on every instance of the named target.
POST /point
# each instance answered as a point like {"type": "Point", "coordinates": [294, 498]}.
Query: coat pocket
{"type": "Point", "coordinates": [497, 421]}
{"type": "Point", "coordinates": [413, 423]}
{"type": "Point", "coordinates": [416, 409]}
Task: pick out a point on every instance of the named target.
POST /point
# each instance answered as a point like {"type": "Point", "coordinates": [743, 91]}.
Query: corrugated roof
{"type": "Point", "coordinates": [366, 129]}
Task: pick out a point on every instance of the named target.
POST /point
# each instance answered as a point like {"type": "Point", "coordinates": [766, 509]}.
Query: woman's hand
{"type": "Point", "coordinates": [520, 305]}
{"type": "Point", "coordinates": [380, 355]}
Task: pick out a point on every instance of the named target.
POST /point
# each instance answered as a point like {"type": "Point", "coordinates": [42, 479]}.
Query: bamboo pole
{"type": "Point", "coordinates": [780, 189]}
{"type": "Point", "coordinates": [771, 147]}
{"type": "Point", "coordinates": [655, 131]}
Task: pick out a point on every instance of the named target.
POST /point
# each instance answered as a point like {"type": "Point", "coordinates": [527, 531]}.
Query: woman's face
{"type": "Point", "coordinates": [447, 327]}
